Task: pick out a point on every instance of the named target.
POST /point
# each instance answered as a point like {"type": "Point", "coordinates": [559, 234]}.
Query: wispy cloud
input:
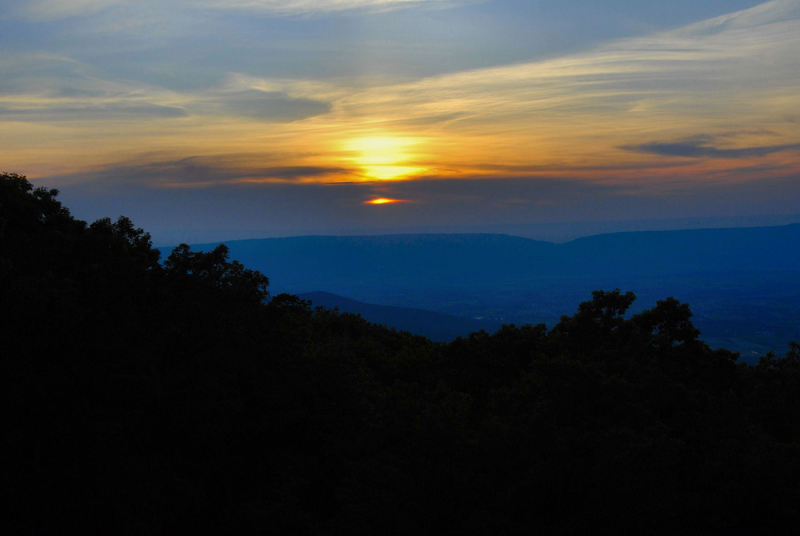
{"type": "Point", "coordinates": [60, 9]}
{"type": "Point", "coordinates": [323, 6]}
{"type": "Point", "coordinates": [261, 105]}
{"type": "Point", "coordinates": [701, 147]}
{"type": "Point", "coordinates": [57, 9]}
{"type": "Point", "coordinates": [91, 112]}
{"type": "Point", "coordinates": [195, 172]}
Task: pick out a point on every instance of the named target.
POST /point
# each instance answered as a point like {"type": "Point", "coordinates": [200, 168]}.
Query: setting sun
{"type": "Point", "coordinates": [383, 157]}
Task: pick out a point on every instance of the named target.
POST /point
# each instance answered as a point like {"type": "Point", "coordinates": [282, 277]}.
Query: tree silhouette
{"type": "Point", "coordinates": [213, 269]}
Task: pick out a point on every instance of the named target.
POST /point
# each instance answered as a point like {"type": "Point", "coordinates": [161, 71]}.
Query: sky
{"type": "Point", "coordinates": [206, 120]}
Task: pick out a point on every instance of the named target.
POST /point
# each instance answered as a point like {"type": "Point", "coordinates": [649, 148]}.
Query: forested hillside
{"type": "Point", "coordinates": [161, 398]}
{"type": "Point", "coordinates": [743, 283]}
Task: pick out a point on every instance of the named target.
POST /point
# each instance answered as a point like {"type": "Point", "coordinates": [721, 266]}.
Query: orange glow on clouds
{"type": "Point", "coordinates": [383, 201]}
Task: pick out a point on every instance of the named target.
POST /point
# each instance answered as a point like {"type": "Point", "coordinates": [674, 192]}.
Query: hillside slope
{"type": "Point", "coordinates": [435, 326]}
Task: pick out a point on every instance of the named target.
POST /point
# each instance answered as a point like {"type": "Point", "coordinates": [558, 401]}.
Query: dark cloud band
{"type": "Point", "coordinates": [701, 147]}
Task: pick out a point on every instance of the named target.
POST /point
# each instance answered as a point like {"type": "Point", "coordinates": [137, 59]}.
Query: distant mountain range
{"type": "Point", "coordinates": [742, 283]}
{"type": "Point", "coordinates": [489, 259]}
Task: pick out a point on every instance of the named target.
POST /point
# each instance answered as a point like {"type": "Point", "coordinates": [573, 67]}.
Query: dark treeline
{"type": "Point", "coordinates": [159, 398]}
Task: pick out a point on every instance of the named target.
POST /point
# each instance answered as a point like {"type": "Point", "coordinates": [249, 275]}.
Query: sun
{"type": "Point", "coordinates": [384, 201]}
{"type": "Point", "coordinates": [383, 157]}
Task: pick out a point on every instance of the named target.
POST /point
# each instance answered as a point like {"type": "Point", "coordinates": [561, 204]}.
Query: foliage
{"type": "Point", "coordinates": [153, 398]}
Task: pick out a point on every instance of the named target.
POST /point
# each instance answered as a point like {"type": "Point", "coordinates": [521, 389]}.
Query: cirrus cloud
{"type": "Point", "coordinates": [323, 6]}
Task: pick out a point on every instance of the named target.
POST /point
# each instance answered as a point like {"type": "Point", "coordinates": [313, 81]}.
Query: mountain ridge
{"type": "Point", "coordinates": [473, 258]}
{"type": "Point", "coordinates": [739, 280]}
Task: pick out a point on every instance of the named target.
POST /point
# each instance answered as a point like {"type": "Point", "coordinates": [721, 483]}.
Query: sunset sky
{"type": "Point", "coordinates": [213, 119]}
